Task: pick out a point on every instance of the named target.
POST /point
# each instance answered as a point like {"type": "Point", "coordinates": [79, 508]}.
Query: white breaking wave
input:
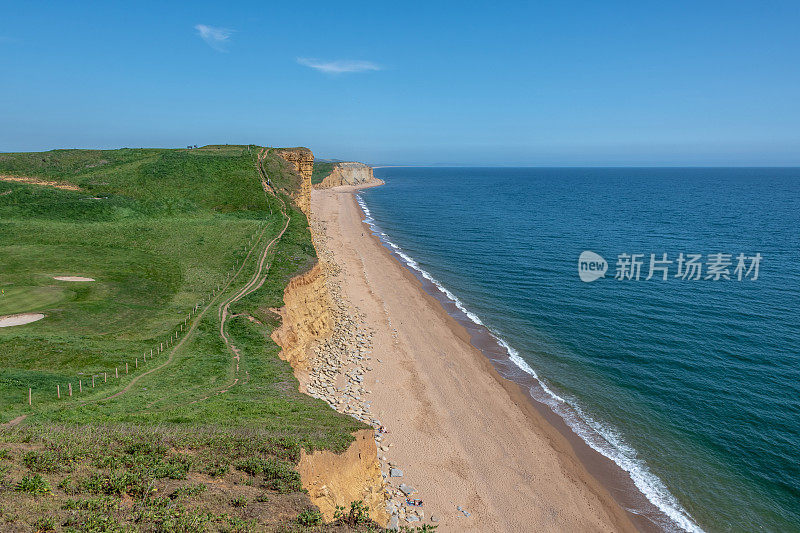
{"type": "Point", "coordinates": [601, 437]}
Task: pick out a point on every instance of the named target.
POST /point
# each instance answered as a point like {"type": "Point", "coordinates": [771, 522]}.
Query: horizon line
{"type": "Point", "coordinates": [457, 165]}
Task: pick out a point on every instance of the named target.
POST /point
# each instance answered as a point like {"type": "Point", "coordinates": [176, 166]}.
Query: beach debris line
{"type": "Point", "coordinates": [345, 357]}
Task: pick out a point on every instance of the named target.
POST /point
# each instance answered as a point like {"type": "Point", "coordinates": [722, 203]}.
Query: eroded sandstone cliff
{"type": "Point", "coordinates": [332, 479]}
{"type": "Point", "coordinates": [302, 159]}
{"type": "Point", "coordinates": [350, 173]}
{"type": "Point", "coordinates": [308, 318]}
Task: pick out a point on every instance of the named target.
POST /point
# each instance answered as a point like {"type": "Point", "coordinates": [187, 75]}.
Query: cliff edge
{"type": "Point", "coordinates": [308, 318]}
{"type": "Point", "coordinates": [337, 480]}
{"type": "Point", "coordinates": [302, 159]}
{"type": "Point", "coordinates": [349, 173]}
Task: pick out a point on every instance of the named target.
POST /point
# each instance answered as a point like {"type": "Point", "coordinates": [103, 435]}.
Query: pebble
{"type": "Point", "coordinates": [396, 472]}
{"type": "Point", "coordinates": [407, 490]}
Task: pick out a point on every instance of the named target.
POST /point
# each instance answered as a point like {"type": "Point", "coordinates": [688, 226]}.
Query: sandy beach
{"type": "Point", "coordinates": [478, 455]}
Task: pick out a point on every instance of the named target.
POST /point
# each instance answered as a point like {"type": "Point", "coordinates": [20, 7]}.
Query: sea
{"type": "Point", "coordinates": [655, 310]}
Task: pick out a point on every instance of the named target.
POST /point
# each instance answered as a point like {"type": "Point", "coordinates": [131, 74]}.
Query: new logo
{"type": "Point", "coordinates": [591, 266]}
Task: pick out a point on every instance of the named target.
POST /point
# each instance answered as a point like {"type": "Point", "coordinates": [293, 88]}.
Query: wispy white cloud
{"type": "Point", "coordinates": [216, 38]}
{"type": "Point", "coordinates": [339, 66]}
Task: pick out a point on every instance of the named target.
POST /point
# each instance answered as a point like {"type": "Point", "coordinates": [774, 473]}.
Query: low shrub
{"type": "Point", "coordinates": [310, 517]}
{"type": "Point", "coordinates": [188, 491]}
{"type": "Point", "coordinates": [359, 514]}
{"type": "Point", "coordinates": [216, 469]}
{"type": "Point", "coordinates": [239, 501]}
{"type": "Point", "coordinates": [44, 461]}
{"type": "Point", "coordinates": [282, 477]}
{"type": "Point", "coordinates": [112, 484]}
{"type": "Point", "coordinates": [44, 523]}
{"type": "Point", "coordinates": [34, 484]}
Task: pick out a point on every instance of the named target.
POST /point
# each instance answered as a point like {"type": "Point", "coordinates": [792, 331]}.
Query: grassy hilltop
{"type": "Point", "coordinates": [192, 439]}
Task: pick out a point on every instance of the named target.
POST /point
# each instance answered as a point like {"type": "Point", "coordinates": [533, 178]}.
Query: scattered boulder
{"type": "Point", "coordinates": [407, 490]}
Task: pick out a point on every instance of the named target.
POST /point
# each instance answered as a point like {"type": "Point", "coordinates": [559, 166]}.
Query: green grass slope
{"type": "Point", "coordinates": [168, 235]}
{"type": "Point", "coordinates": [322, 170]}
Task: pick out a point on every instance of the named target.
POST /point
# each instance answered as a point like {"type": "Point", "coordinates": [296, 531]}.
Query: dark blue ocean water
{"type": "Point", "coordinates": [693, 386]}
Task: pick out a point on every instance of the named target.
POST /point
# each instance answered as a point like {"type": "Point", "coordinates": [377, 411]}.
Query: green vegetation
{"type": "Point", "coordinates": [127, 478]}
{"type": "Point", "coordinates": [359, 514]}
{"type": "Point", "coordinates": [322, 170]}
{"type": "Point", "coordinates": [33, 484]}
{"type": "Point", "coordinates": [194, 439]}
{"type": "Point", "coordinates": [158, 230]}
{"type": "Point", "coordinates": [25, 299]}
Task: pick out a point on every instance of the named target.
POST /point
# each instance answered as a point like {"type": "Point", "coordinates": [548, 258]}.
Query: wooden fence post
{"type": "Point", "coordinates": [92, 380]}
{"type": "Point", "coordinates": [80, 385]}
{"type": "Point", "coordinates": [58, 390]}
{"type": "Point", "coordinates": [70, 389]}
{"type": "Point", "coordinates": [137, 362]}
{"type": "Point", "coordinates": [105, 377]}
{"type": "Point", "coordinates": [30, 397]}
{"type": "Point", "coordinates": [126, 368]}
{"type": "Point", "coordinates": [116, 372]}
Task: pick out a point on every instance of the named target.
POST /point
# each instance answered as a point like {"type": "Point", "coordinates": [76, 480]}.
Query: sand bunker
{"type": "Point", "coordinates": [72, 278]}
{"type": "Point", "coordinates": [20, 319]}
{"type": "Point", "coordinates": [38, 181]}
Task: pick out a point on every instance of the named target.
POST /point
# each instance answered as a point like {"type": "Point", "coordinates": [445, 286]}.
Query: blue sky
{"type": "Point", "coordinates": [479, 83]}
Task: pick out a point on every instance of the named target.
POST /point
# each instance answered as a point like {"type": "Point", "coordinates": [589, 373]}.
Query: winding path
{"type": "Point", "coordinates": [255, 282]}
{"type": "Point", "coordinates": [258, 279]}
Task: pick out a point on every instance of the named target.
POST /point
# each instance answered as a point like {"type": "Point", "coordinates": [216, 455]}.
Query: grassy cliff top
{"type": "Point", "coordinates": [322, 170]}
{"type": "Point", "coordinates": [168, 236]}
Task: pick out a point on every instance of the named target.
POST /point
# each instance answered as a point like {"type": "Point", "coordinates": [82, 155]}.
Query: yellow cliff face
{"type": "Point", "coordinates": [307, 319]}
{"type": "Point", "coordinates": [302, 159]}
{"type": "Point", "coordinates": [332, 479]}
{"type": "Point", "coordinates": [350, 173]}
